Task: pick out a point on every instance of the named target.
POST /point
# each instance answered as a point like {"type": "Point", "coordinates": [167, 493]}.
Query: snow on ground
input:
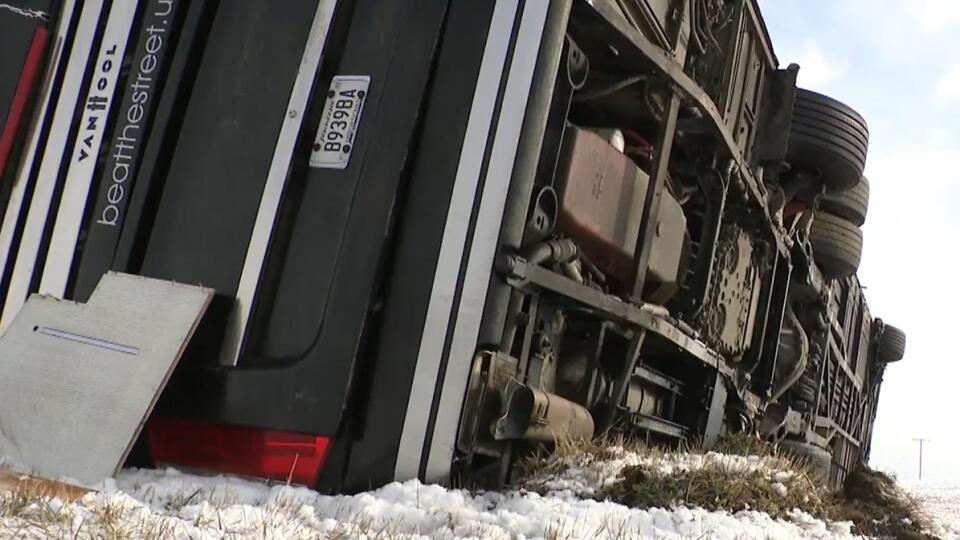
{"type": "Point", "coordinates": [170, 504]}
{"type": "Point", "coordinates": [942, 505]}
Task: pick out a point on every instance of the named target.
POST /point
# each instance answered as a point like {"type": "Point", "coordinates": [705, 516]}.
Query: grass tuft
{"type": "Point", "coordinates": [711, 489]}
{"type": "Point", "coordinates": [878, 507]}
{"type": "Point", "coordinates": [743, 444]}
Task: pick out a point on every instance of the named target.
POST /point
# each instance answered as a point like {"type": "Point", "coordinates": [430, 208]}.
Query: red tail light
{"type": "Point", "coordinates": [238, 450]}
{"type": "Point", "coordinates": [28, 75]}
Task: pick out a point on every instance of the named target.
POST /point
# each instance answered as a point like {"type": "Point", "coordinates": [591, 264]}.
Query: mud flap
{"type": "Point", "coordinates": [78, 381]}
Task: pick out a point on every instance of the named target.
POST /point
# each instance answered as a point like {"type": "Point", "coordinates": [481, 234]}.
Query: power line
{"type": "Point", "coordinates": [920, 471]}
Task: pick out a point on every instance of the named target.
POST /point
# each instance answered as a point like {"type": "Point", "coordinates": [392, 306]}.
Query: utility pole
{"type": "Point", "coordinates": [921, 441]}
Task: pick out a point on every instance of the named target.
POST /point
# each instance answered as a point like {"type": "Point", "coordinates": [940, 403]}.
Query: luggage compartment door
{"type": "Point", "coordinates": [301, 259]}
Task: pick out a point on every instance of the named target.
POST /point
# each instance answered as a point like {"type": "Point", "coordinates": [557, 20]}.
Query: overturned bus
{"type": "Point", "coordinates": [443, 234]}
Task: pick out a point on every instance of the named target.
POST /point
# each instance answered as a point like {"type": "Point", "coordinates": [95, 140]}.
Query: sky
{"type": "Point", "coordinates": [895, 62]}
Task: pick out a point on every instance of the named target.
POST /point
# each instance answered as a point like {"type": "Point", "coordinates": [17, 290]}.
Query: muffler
{"type": "Point", "coordinates": [535, 415]}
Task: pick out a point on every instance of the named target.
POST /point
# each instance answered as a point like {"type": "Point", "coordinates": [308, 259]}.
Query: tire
{"type": "Point", "coordinates": [829, 138]}
{"type": "Point", "coordinates": [818, 459]}
{"type": "Point", "coordinates": [851, 205]}
{"type": "Point", "coordinates": [805, 391]}
{"type": "Point", "coordinates": [837, 245]}
{"type": "Point", "coordinates": [892, 344]}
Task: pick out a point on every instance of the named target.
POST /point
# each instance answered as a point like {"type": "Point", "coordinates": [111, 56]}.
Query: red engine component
{"type": "Point", "coordinates": [602, 193]}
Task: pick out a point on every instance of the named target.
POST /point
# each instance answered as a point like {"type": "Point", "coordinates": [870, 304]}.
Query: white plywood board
{"type": "Point", "coordinates": [77, 381]}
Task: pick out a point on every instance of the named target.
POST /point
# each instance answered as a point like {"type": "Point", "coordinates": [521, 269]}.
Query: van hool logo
{"type": "Point", "coordinates": [97, 103]}
{"type": "Point", "coordinates": [129, 132]}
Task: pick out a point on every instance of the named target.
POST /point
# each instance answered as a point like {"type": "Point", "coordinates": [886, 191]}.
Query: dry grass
{"type": "Point", "coordinates": [878, 507]}
{"type": "Point", "coordinates": [28, 511]}
{"type": "Point", "coordinates": [872, 501]}
{"type": "Point", "coordinates": [711, 489]}
{"type": "Point", "coordinates": [743, 444]}
{"type": "Point", "coordinates": [548, 463]}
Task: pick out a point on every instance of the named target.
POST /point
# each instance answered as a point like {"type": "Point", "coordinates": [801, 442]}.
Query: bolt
{"type": "Point", "coordinates": [292, 113]}
{"type": "Point", "coordinates": [507, 265]}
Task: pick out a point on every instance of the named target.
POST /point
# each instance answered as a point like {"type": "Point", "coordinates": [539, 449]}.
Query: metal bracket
{"type": "Point", "coordinates": [531, 278]}
{"type": "Point", "coordinates": [623, 381]}
{"type": "Point", "coordinates": [651, 205]}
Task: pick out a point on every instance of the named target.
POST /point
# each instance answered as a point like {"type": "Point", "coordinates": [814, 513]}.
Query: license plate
{"type": "Point", "coordinates": [339, 121]}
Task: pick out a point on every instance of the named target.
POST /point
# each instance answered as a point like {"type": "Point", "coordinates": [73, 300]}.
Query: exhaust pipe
{"type": "Point", "coordinates": [535, 415]}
